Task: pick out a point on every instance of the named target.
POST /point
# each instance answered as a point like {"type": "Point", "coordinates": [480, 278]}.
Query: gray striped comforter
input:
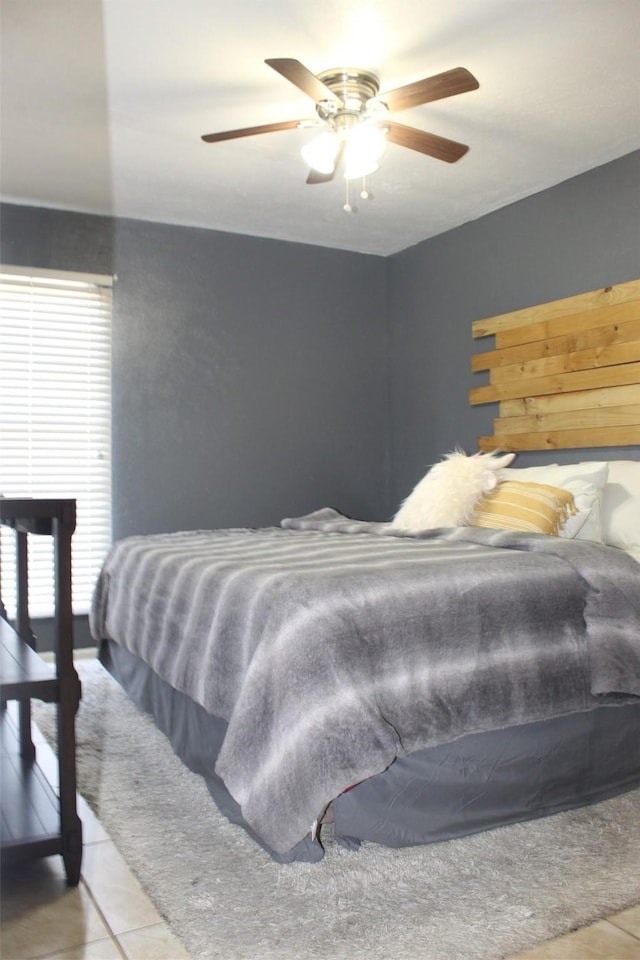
{"type": "Point", "coordinates": [330, 647]}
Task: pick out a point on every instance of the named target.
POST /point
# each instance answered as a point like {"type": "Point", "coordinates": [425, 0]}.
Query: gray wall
{"type": "Point", "coordinates": [579, 236]}
{"type": "Point", "coordinates": [249, 376]}
{"type": "Point", "coordinates": [247, 380]}
{"type": "Point", "coordinates": [255, 378]}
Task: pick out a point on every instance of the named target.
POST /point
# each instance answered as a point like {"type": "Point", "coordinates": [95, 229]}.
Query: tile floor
{"type": "Point", "coordinates": [109, 917]}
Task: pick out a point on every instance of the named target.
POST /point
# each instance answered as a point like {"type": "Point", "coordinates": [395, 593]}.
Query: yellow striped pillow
{"type": "Point", "coordinates": [533, 507]}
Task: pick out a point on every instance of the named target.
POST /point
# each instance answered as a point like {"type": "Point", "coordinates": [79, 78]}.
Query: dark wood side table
{"type": "Point", "coordinates": [39, 819]}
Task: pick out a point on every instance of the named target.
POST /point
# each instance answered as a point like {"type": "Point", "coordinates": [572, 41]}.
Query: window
{"type": "Point", "coordinates": [55, 418]}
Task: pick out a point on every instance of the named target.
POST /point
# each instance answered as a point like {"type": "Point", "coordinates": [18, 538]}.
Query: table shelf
{"type": "Point", "coordinates": [39, 818]}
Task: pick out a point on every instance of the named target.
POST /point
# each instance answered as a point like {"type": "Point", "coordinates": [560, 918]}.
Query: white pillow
{"type": "Point", "coordinates": [446, 496]}
{"type": "Point", "coordinates": [621, 506]}
{"type": "Point", "coordinates": [585, 481]}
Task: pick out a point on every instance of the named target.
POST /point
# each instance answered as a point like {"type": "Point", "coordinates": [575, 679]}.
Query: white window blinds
{"type": "Point", "coordinates": [55, 418]}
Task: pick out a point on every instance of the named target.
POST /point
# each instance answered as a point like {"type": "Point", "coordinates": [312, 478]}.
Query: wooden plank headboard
{"type": "Point", "coordinates": [566, 374]}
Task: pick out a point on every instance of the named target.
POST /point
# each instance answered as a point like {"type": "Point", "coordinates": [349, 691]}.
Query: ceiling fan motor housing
{"type": "Point", "coordinates": [354, 89]}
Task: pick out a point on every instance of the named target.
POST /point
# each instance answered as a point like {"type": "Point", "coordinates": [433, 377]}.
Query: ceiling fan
{"type": "Point", "coordinates": [353, 115]}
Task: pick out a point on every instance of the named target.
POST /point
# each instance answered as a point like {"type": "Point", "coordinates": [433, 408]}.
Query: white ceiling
{"type": "Point", "coordinates": [103, 103]}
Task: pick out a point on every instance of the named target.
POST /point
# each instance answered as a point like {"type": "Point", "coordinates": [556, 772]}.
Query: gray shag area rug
{"type": "Point", "coordinates": [478, 898]}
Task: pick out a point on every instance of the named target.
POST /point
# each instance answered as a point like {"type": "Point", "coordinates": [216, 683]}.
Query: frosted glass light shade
{"type": "Point", "coordinates": [365, 145]}
{"type": "Point", "coordinates": [321, 153]}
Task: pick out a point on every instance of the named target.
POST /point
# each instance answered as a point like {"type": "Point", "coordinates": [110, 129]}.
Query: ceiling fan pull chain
{"type": "Point", "coordinates": [364, 193]}
{"type": "Point", "coordinates": [347, 207]}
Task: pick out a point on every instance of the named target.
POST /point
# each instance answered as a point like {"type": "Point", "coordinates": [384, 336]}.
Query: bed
{"type": "Point", "coordinates": [409, 685]}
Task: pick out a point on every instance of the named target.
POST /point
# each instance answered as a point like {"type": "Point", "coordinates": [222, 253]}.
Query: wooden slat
{"type": "Point", "coordinates": [580, 400]}
{"type": "Point", "coordinates": [600, 336]}
{"type": "Point", "coordinates": [515, 408]}
{"type": "Point", "coordinates": [574, 323]}
{"type": "Point", "coordinates": [580, 304]}
{"type": "Point", "coordinates": [592, 359]}
{"type": "Point", "coordinates": [568, 420]}
{"type": "Point", "coordinates": [563, 383]}
{"type": "Point", "coordinates": [564, 439]}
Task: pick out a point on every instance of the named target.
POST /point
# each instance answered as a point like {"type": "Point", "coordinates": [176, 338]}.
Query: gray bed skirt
{"type": "Point", "coordinates": [478, 782]}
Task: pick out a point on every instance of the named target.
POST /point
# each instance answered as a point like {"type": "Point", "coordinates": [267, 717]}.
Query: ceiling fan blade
{"type": "Point", "coordinates": [316, 177]}
{"type": "Point", "coordinates": [429, 143]}
{"type": "Point", "coordinates": [302, 78]}
{"type": "Point", "coordinates": [250, 131]}
{"type": "Point", "coordinates": [442, 85]}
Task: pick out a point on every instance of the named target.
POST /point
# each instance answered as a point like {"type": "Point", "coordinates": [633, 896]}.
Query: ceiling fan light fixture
{"type": "Point", "coordinates": [352, 110]}
{"type": "Point", "coordinates": [359, 167]}
{"type": "Point", "coordinates": [364, 148]}
{"type": "Point", "coordinates": [320, 154]}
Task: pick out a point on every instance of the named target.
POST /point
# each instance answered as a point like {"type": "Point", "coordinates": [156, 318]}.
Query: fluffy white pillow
{"type": "Point", "coordinates": [621, 506]}
{"type": "Point", "coordinates": [446, 496]}
{"type": "Point", "coordinates": [585, 481]}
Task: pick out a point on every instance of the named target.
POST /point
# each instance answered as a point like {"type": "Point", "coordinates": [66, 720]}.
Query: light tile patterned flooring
{"type": "Point", "coordinates": [109, 917]}
{"type": "Point", "coordinates": [106, 917]}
